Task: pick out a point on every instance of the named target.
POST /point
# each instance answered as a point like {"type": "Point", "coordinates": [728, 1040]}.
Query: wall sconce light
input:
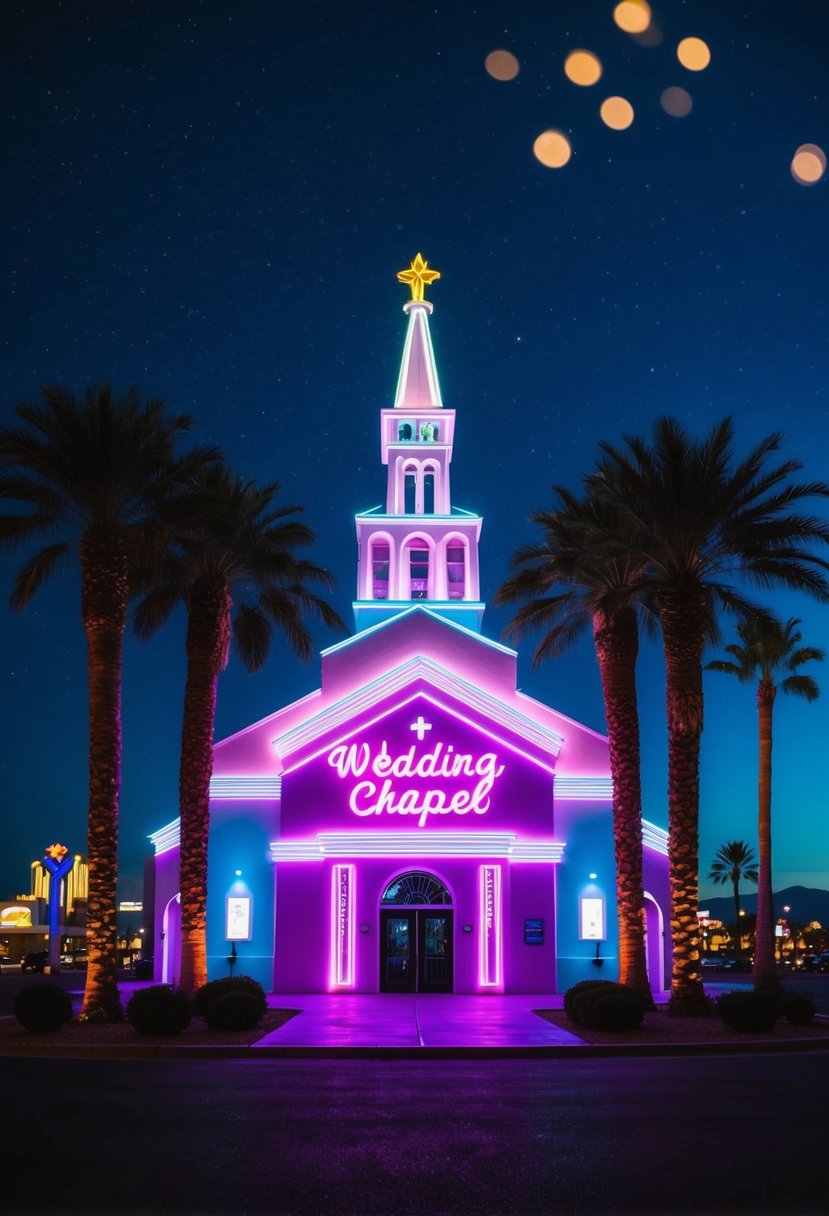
{"type": "Point", "coordinates": [467, 928]}
{"type": "Point", "coordinates": [364, 928]}
{"type": "Point", "coordinates": [592, 875]}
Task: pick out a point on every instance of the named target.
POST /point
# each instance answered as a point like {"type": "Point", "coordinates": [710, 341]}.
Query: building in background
{"type": "Point", "coordinates": [416, 824]}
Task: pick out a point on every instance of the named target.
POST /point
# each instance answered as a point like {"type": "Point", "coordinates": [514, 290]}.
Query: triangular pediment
{"type": "Point", "coordinates": [424, 680]}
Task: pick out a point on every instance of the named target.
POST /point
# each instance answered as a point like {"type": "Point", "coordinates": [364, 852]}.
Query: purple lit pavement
{"type": "Point", "coordinates": [426, 1021]}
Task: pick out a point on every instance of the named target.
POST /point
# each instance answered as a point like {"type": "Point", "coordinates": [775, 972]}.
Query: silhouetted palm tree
{"type": "Point", "coordinates": [569, 582]}
{"type": "Point", "coordinates": [768, 649]}
{"type": "Point", "coordinates": [232, 565]}
{"type": "Point", "coordinates": [697, 519]}
{"type": "Point", "coordinates": [90, 476]}
{"type": "Point", "coordinates": [734, 862]}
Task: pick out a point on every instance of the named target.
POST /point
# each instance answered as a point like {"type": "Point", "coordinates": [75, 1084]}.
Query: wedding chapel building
{"type": "Point", "coordinates": [416, 824]}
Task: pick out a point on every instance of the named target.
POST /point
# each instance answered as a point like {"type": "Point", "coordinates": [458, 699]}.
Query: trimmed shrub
{"type": "Point", "coordinates": [573, 994]}
{"type": "Point", "coordinates": [587, 997]}
{"type": "Point", "coordinates": [42, 1007]}
{"type": "Point", "coordinates": [747, 1010]}
{"type": "Point", "coordinates": [234, 1011]}
{"type": "Point", "coordinates": [622, 1010]}
{"type": "Point", "coordinates": [798, 1008]}
{"type": "Point", "coordinates": [159, 1010]}
{"type": "Point", "coordinates": [210, 992]}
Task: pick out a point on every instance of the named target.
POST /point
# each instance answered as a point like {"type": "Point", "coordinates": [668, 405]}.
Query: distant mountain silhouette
{"type": "Point", "coordinates": [805, 904]}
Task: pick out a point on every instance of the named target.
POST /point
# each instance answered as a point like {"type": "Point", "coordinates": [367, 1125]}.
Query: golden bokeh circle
{"type": "Point", "coordinates": [582, 67]}
{"type": "Point", "coordinates": [553, 149]}
{"type": "Point", "coordinates": [617, 113]}
{"type": "Point", "coordinates": [808, 164]}
{"type": "Point", "coordinates": [676, 101]}
{"type": "Point", "coordinates": [693, 54]}
{"type": "Point", "coordinates": [502, 65]}
{"type": "Point", "coordinates": [632, 16]}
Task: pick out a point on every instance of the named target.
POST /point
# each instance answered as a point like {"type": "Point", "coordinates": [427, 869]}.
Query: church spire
{"type": "Point", "coordinates": [419, 549]}
{"type": "Point", "coordinates": [417, 384]}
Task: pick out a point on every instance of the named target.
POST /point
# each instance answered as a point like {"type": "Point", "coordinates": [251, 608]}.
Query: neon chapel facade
{"type": "Point", "coordinates": [415, 824]}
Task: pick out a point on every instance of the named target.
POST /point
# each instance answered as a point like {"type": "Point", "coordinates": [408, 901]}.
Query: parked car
{"type": "Point", "coordinates": [142, 969]}
{"type": "Point", "coordinates": [35, 960]}
{"type": "Point", "coordinates": [710, 962]}
{"type": "Point", "coordinates": [734, 964]}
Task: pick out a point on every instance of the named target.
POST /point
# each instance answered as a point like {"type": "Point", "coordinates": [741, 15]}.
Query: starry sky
{"type": "Point", "coordinates": [212, 198]}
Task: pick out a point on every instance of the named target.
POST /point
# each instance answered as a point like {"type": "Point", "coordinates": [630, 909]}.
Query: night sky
{"type": "Point", "coordinates": [212, 200]}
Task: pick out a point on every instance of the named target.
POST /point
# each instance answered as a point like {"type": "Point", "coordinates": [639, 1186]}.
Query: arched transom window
{"type": "Point", "coordinates": [416, 887]}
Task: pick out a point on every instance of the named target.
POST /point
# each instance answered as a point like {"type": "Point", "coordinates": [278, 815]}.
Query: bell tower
{"type": "Point", "coordinates": [419, 549]}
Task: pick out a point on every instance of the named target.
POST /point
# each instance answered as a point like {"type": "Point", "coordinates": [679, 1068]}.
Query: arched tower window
{"type": "Point", "coordinates": [379, 569]}
{"type": "Point", "coordinates": [419, 572]}
{"type": "Point", "coordinates": [456, 569]}
{"type": "Point", "coordinates": [410, 490]}
{"type": "Point", "coordinates": [428, 493]}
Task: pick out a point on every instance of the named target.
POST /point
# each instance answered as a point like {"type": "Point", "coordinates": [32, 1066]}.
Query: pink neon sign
{"type": "Point", "coordinates": [381, 792]}
{"type": "Point", "coordinates": [490, 932]}
{"type": "Point", "coordinates": [342, 926]}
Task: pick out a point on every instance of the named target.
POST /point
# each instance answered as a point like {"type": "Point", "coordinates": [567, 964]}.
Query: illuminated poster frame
{"type": "Point", "coordinates": [343, 928]}
{"type": "Point", "coordinates": [591, 919]}
{"type": "Point", "coordinates": [239, 918]}
{"type": "Point", "coordinates": [490, 961]}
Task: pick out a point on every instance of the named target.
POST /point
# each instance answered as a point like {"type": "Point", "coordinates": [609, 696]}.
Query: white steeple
{"type": "Point", "coordinates": [421, 548]}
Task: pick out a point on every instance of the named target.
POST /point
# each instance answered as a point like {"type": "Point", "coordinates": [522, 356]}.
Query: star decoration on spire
{"type": "Point", "coordinates": [56, 852]}
{"type": "Point", "coordinates": [418, 276]}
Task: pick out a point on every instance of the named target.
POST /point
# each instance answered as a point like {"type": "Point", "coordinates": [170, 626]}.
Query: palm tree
{"type": "Point", "coordinates": [575, 558]}
{"type": "Point", "coordinates": [231, 563]}
{"type": "Point", "coordinates": [734, 861]}
{"type": "Point", "coordinates": [767, 648]}
{"type": "Point", "coordinates": [90, 475]}
{"type": "Point", "coordinates": [696, 518]}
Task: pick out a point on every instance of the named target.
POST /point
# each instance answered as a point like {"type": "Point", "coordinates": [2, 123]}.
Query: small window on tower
{"type": "Point", "coordinates": [380, 572]}
{"type": "Point", "coordinates": [410, 493]}
{"type": "Point", "coordinates": [429, 494]}
{"type": "Point", "coordinates": [419, 573]}
{"type": "Point", "coordinates": [404, 432]}
{"type": "Point", "coordinates": [456, 571]}
{"type": "Point", "coordinates": [429, 432]}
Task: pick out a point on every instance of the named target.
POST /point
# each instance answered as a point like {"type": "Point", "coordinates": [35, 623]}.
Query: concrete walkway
{"type": "Point", "coordinates": [422, 1021]}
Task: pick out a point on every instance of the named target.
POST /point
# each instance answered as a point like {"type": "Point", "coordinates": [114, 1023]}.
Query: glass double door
{"type": "Point", "coordinates": [415, 950]}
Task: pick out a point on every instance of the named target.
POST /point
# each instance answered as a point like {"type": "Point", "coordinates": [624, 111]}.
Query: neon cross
{"type": "Point", "coordinates": [421, 727]}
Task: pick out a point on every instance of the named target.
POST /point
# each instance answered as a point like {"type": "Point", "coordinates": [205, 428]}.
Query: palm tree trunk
{"type": "Point", "coordinates": [735, 887]}
{"type": "Point", "coordinates": [683, 632]}
{"type": "Point", "coordinates": [104, 599]}
{"type": "Point", "coordinates": [208, 632]}
{"type": "Point", "coordinates": [617, 644]}
{"type": "Point", "coordinates": [764, 967]}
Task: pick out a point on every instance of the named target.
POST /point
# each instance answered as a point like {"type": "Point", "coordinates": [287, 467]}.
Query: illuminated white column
{"type": "Point", "coordinates": [342, 926]}
{"type": "Point", "coordinates": [490, 952]}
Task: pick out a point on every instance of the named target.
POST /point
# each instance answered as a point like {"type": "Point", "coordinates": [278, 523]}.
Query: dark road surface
{"type": "Point", "coordinates": [717, 1134]}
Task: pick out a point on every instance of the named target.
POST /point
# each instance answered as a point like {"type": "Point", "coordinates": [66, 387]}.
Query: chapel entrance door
{"type": "Point", "coordinates": [416, 950]}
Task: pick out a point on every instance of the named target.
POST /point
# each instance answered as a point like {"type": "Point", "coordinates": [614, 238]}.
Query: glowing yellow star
{"type": "Point", "coordinates": [56, 851]}
{"type": "Point", "coordinates": [418, 276]}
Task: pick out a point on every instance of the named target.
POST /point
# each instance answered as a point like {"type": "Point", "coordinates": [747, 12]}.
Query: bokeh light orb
{"type": "Point", "coordinates": [502, 65]}
{"type": "Point", "coordinates": [552, 149]}
{"type": "Point", "coordinates": [617, 113]}
{"type": "Point", "coordinates": [676, 101]}
{"type": "Point", "coordinates": [582, 67]}
{"type": "Point", "coordinates": [693, 54]}
{"type": "Point", "coordinates": [808, 164]}
{"type": "Point", "coordinates": [632, 16]}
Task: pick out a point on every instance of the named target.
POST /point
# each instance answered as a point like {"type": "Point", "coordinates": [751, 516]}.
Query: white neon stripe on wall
{"type": "Point", "coordinates": [416, 844]}
{"type": "Point", "coordinates": [591, 789]}
{"type": "Point", "coordinates": [489, 971]}
{"type": "Point", "coordinates": [342, 926]}
{"type": "Point", "coordinates": [244, 785]}
{"type": "Point", "coordinates": [166, 838]}
{"type": "Point", "coordinates": [654, 837]}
